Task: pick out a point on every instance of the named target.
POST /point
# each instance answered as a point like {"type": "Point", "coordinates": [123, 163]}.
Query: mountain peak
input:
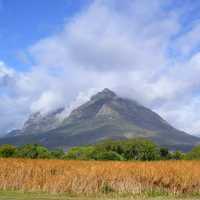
{"type": "Point", "coordinates": [104, 94]}
{"type": "Point", "coordinates": [108, 91]}
{"type": "Point", "coordinates": [104, 116]}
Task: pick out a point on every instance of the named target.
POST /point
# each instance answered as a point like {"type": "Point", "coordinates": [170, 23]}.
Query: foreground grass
{"type": "Point", "coordinates": [43, 196]}
{"type": "Point", "coordinates": [90, 177]}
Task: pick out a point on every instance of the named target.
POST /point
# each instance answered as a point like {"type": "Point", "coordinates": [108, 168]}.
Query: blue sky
{"type": "Point", "coordinates": [25, 22]}
{"type": "Point", "coordinates": [59, 52]}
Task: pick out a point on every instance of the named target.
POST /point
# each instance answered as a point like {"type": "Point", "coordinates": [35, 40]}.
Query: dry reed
{"type": "Point", "coordinates": [59, 176]}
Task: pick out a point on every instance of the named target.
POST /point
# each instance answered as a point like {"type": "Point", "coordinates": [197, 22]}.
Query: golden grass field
{"type": "Point", "coordinates": [91, 177]}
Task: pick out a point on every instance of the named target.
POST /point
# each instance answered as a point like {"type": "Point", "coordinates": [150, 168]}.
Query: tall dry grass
{"type": "Point", "coordinates": [94, 177]}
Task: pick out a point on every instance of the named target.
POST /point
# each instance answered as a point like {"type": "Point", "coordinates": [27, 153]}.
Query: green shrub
{"type": "Point", "coordinates": [140, 149]}
{"type": "Point", "coordinates": [7, 150]}
{"type": "Point", "coordinates": [107, 155]}
{"type": "Point", "coordinates": [132, 149]}
{"type": "Point", "coordinates": [165, 154]}
{"type": "Point", "coordinates": [194, 154]}
{"type": "Point", "coordinates": [177, 155]}
{"type": "Point", "coordinates": [33, 151]}
{"type": "Point", "coordinates": [80, 153]}
{"type": "Point", "coordinates": [57, 153]}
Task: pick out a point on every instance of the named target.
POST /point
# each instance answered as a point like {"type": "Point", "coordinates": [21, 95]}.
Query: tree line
{"type": "Point", "coordinates": [123, 150]}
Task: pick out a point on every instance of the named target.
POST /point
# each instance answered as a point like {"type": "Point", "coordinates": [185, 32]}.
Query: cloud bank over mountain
{"type": "Point", "coordinates": [141, 49]}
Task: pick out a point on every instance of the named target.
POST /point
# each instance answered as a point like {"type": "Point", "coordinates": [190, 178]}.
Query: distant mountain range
{"type": "Point", "coordinates": [105, 116]}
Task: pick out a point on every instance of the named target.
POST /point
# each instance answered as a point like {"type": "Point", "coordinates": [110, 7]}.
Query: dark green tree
{"type": "Point", "coordinates": [165, 154]}
{"type": "Point", "coordinates": [57, 153]}
{"type": "Point", "coordinates": [7, 150]}
{"type": "Point", "coordinates": [177, 155]}
{"type": "Point", "coordinates": [107, 155]}
{"type": "Point", "coordinates": [33, 151]}
{"type": "Point", "coordinates": [80, 153]}
{"type": "Point", "coordinates": [140, 149]}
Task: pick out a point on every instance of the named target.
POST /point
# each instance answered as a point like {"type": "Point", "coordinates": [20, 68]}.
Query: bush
{"type": "Point", "coordinates": [80, 153]}
{"type": "Point", "coordinates": [107, 155]}
{"type": "Point", "coordinates": [132, 149]}
{"type": "Point", "coordinates": [140, 149]}
{"type": "Point", "coordinates": [57, 153]}
{"type": "Point", "coordinates": [194, 154]}
{"type": "Point", "coordinates": [177, 155]}
{"type": "Point", "coordinates": [33, 151]}
{"type": "Point", "coordinates": [110, 145]}
{"type": "Point", "coordinates": [7, 150]}
{"type": "Point", "coordinates": [165, 154]}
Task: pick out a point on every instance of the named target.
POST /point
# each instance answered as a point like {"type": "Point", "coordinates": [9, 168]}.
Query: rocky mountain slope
{"type": "Point", "coordinates": [105, 116]}
{"type": "Point", "coordinates": [39, 123]}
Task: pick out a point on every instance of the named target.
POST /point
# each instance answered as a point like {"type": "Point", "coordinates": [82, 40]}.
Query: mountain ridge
{"type": "Point", "coordinates": [104, 116]}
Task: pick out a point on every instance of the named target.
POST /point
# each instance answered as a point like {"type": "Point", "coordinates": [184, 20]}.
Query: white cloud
{"type": "Point", "coordinates": [123, 46]}
{"type": "Point", "coordinates": [6, 74]}
{"type": "Point", "coordinates": [82, 97]}
{"type": "Point", "coordinates": [4, 70]}
{"type": "Point", "coordinates": [48, 99]}
{"type": "Point", "coordinates": [183, 115]}
{"type": "Point", "coordinates": [189, 41]}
